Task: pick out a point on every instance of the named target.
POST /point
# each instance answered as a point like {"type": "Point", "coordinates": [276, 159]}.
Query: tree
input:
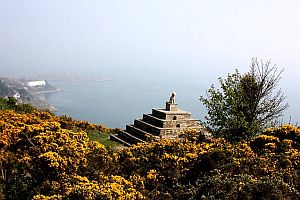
{"type": "Point", "coordinates": [245, 103]}
{"type": "Point", "coordinates": [11, 102]}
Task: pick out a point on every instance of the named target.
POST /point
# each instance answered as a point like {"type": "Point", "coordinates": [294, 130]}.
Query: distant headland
{"type": "Point", "coordinates": [73, 77]}
{"type": "Point", "coordinates": [26, 90]}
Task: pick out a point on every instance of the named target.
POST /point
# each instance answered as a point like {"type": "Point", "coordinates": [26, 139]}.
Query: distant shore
{"type": "Point", "coordinates": [48, 106]}
{"type": "Point", "coordinates": [48, 91]}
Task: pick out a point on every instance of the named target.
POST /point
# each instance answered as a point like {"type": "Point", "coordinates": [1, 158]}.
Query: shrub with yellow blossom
{"type": "Point", "coordinates": [36, 152]}
{"type": "Point", "coordinates": [47, 157]}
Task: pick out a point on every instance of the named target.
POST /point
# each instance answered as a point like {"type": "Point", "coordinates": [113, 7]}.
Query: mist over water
{"type": "Point", "coordinates": [118, 102]}
{"type": "Point", "coordinates": [148, 48]}
{"type": "Point", "coordinates": [128, 96]}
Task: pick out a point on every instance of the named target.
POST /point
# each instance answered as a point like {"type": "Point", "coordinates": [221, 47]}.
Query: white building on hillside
{"type": "Point", "coordinates": [36, 83]}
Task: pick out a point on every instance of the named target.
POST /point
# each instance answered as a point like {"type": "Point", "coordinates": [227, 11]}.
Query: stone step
{"type": "Point", "coordinates": [139, 123]}
{"type": "Point", "coordinates": [160, 123]}
{"type": "Point", "coordinates": [129, 138]}
{"type": "Point", "coordinates": [170, 115]}
{"type": "Point", "coordinates": [150, 119]}
{"type": "Point", "coordinates": [157, 131]}
{"type": "Point", "coordinates": [114, 137]}
{"type": "Point", "coordinates": [130, 128]}
{"type": "Point", "coordinates": [158, 113]}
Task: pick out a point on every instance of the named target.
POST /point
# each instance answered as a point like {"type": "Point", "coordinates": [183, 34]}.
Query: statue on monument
{"type": "Point", "coordinates": [172, 98]}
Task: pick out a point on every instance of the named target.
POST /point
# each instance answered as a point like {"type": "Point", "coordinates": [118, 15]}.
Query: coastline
{"type": "Point", "coordinates": [48, 91]}
{"type": "Point", "coordinates": [48, 106]}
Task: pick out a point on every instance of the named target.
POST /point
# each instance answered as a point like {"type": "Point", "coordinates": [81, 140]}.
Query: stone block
{"type": "Point", "coordinates": [171, 106]}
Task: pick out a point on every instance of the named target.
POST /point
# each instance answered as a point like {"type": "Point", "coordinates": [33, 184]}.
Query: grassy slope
{"type": "Point", "coordinates": [103, 138]}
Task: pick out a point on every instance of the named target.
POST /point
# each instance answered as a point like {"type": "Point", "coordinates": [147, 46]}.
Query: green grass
{"type": "Point", "coordinates": [103, 138]}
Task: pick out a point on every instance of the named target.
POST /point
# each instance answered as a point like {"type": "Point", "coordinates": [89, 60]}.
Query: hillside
{"type": "Point", "coordinates": [48, 157]}
{"type": "Point", "coordinates": [21, 90]}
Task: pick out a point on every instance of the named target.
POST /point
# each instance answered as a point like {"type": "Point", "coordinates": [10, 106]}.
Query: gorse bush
{"type": "Point", "coordinates": [42, 159]}
{"type": "Point", "coordinates": [39, 157]}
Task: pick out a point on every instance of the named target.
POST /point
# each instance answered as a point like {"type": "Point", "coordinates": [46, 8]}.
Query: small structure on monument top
{"type": "Point", "coordinates": [162, 123]}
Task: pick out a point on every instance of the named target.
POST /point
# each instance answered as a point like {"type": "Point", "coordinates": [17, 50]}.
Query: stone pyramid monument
{"type": "Point", "coordinates": [162, 123]}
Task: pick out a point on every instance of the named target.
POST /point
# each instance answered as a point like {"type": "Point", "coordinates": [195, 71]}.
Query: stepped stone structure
{"type": "Point", "coordinates": [162, 123]}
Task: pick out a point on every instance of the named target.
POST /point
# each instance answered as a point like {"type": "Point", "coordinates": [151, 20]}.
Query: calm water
{"type": "Point", "coordinates": [118, 102]}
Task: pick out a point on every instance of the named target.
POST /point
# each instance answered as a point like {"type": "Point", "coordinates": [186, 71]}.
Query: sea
{"type": "Point", "coordinates": [120, 100]}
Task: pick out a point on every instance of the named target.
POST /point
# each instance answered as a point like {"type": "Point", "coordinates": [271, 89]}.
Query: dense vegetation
{"type": "Point", "coordinates": [11, 103]}
{"type": "Point", "coordinates": [48, 157]}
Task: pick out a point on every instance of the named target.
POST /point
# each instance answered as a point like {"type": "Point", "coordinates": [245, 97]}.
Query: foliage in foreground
{"type": "Point", "coordinates": [40, 159]}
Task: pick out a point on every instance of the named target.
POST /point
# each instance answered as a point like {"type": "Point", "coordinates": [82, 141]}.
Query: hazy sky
{"type": "Point", "coordinates": [211, 35]}
{"type": "Point", "coordinates": [195, 38]}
